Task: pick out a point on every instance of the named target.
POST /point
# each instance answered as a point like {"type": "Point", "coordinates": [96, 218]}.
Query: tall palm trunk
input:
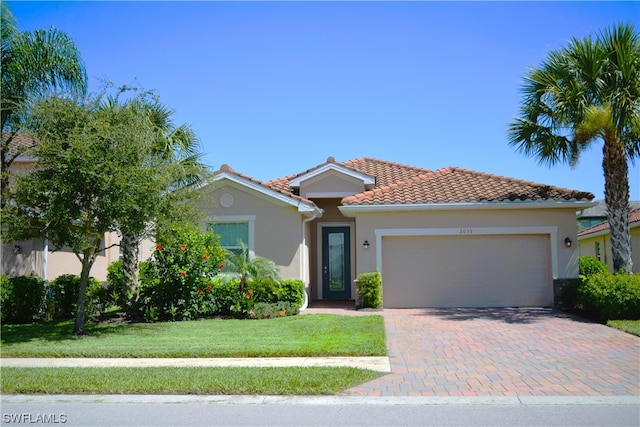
{"type": "Point", "coordinates": [616, 197]}
{"type": "Point", "coordinates": [130, 245]}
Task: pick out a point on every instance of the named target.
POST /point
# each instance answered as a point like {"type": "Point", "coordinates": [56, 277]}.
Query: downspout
{"type": "Point", "coordinates": [304, 260]}
{"type": "Point", "coordinates": [45, 259]}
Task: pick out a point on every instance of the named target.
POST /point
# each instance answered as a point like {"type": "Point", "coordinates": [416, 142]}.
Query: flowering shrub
{"type": "Point", "coordinates": [184, 262]}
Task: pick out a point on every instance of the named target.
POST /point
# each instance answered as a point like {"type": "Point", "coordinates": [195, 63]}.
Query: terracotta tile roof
{"type": "Point", "coordinates": [18, 144]}
{"type": "Point", "coordinates": [278, 189]}
{"type": "Point", "coordinates": [634, 217]}
{"type": "Point", "coordinates": [386, 173]}
{"type": "Point", "coordinates": [457, 185]}
{"type": "Point", "coordinates": [402, 184]}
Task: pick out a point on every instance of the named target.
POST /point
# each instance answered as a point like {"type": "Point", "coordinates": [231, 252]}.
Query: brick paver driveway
{"type": "Point", "coordinates": [504, 352]}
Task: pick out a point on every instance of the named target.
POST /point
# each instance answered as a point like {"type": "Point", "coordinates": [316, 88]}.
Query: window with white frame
{"type": "Point", "coordinates": [234, 232]}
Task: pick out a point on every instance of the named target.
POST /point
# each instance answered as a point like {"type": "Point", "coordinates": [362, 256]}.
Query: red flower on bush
{"type": "Point", "coordinates": [200, 292]}
{"type": "Point", "coordinates": [183, 247]}
{"type": "Point", "coordinates": [221, 266]}
{"type": "Point", "coordinates": [159, 248]}
{"type": "Point", "coordinates": [204, 257]}
{"type": "Point", "coordinates": [209, 287]}
{"type": "Point", "coordinates": [183, 273]}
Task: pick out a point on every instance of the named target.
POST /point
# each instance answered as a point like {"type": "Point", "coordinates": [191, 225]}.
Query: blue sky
{"type": "Point", "coordinates": [274, 88]}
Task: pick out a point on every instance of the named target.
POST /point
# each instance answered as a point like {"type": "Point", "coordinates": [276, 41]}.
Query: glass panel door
{"type": "Point", "coordinates": [336, 263]}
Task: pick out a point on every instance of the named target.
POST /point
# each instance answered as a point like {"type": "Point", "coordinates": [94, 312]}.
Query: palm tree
{"type": "Point", "coordinates": [584, 93]}
{"type": "Point", "coordinates": [178, 147]}
{"type": "Point", "coordinates": [33, 63]}
{"type": "Point", "coordinates": [250, 268]}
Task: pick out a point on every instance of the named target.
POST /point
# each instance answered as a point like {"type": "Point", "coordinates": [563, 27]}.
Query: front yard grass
{"type": "Point", "coordinates": [630, 326]}
{"type": "Point", "coordinates": [228, 381]}
{"type": "Point", "coordinates": [303, 336]}
{"type": "Point", "coordinates": [299, 336]}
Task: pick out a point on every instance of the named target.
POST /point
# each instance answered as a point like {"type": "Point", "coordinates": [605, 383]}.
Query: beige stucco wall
{"type": "Point", "coordinates": [277, 226]}
{"type": "Point", "coordinates": [564, 219]}
{"type": "Point", "coordinates": [331, 182]}
{"type": "Point", "coordinates": [31, 261]}
{"type": "Point", "coordinates": [587, 247]}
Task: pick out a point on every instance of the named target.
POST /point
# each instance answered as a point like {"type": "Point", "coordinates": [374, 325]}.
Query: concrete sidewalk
{"type": "Point", "coordinates": [380, 364]}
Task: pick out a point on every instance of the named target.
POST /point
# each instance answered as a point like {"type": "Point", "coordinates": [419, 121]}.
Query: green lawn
{"type": "Point", "coordinates": [271, 381]}
{"type": "Point", "coordinates": [630, 326]}
{"type": "Point", "coordinates": [307, 335]}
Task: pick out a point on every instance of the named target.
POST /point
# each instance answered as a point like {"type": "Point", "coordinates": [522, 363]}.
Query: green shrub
{"type": "Point", "coordinates": [6, 297]}
{"type": "Point", "coordinates": [182, 265]}
{"type": "Point", "coordinates": [265, 289]}
{"type": "Point", "coordinates": [22, 298]}
{"type": "Point", "coordinates": [260, 300]}
{"type": "Point", "coordinates": [589, 266]}
{"type": "Point", "coordinates": [613, 296]}
{"type": "Point", "coordinates": [292, 290]}
{"type": "Point", "coordinates": [370, 289]}
{"type": "Point", "coordinates": [570, 294]}
{"type": "Point", "coordinates": [263, 310]}
{"type": "Point", "coordinates": [62, 296]}
{"type": "Point", "coordinates": [117, 290]}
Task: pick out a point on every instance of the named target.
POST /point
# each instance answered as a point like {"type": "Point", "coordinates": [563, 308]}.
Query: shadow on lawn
{"type": "Point", "coordinates": [57, 331]}
{"type": "Point", "coordinates": [506, 315]}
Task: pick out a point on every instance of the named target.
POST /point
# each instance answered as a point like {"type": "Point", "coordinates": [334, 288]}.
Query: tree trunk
{"type": "Point", "coordinates": [616, 197]}
{"type": "Point", "coordinates": [130, 245]}
{"type": "Point", "coordinates": [88, 259]}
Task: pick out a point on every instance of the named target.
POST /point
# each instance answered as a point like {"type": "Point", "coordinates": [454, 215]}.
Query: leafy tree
{"type": "Point", "coordinates": [33, 63]}
{"type": "Point", "coordinates": [586, 92]}
{"type": "Point", "coordinates": [94, 174]}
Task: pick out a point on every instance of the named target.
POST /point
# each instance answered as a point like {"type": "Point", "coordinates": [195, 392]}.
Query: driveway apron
{"type": "Point", "coordinates": [504, 352]}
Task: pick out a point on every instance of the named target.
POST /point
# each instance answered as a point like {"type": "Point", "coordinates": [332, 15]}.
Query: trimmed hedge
{"type": "Point", "coordinates": [370, 289]}
{"type": "Point", "coordinates": [590, 265]}
{"type": "Point", "coordinates": [612, 296]}
{"type": "Point", "coordinates": [21, 298]}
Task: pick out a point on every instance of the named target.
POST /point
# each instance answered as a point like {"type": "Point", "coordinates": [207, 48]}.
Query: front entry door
{"type": "Point", "coordinates": [336, 263]}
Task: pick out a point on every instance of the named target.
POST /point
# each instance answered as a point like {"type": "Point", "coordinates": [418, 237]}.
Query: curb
{"type": "Point", "coordinates": [329, 400]}
{"type": "Point", "coordinates": [380, 364]}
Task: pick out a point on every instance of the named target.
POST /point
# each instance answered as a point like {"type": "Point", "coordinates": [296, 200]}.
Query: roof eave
{"type": "Point", "coordinates": [605, 231]}
{"type": "Point", "coordinates": [366, 179]}
{"type": "Point", "coordinates": [352, 210]}
{"type": "Point", "coordinates": [303, 208]}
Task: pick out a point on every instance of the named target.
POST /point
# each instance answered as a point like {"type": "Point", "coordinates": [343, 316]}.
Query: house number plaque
{"type": "Point", "coordinates": [465, 231]}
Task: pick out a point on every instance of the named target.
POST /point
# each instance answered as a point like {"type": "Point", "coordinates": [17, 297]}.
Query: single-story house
{"type": "Point", "coordinates": [446, 238]}
{"type": "Point", "coordinates": [596, 241]}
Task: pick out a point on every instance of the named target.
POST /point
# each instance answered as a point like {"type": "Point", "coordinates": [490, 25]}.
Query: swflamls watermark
{"type": "Point", "coordinates": [40, 418]}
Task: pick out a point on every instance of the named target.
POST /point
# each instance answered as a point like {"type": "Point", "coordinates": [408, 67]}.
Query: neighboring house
{"type": "Point", "coordinates": [446, 238]}
{"type": "Point", "coordinates": [597, 214]}
{"type": "Point", "coordinates": [36, 256]}
{"type": "Point", "coordinates": [596, 241]}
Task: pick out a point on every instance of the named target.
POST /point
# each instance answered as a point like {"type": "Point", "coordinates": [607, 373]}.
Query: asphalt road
{"type": "Point", "coordinates": [89, 411]}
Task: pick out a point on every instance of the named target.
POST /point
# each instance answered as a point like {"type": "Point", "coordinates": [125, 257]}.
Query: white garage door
{"type": "Point", "coordinates": [466, 271]}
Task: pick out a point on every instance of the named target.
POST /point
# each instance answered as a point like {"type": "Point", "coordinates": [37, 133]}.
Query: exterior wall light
{"type": "Point", "coordinates": [16, 249]}
{"type": "Point", "coordinates": [365, 245]}
{"type": "Point", "coordinates": [567, 242]}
